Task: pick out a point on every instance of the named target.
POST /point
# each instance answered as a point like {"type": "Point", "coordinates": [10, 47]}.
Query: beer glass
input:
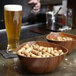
{"type": "Point", "coordinates": [13, 20]}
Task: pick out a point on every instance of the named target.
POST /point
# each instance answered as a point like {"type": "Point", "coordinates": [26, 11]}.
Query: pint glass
{"type": "Point", "coordinates": [13, 20]}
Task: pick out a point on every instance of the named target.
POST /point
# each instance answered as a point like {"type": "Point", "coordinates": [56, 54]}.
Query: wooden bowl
{"type": "Point", "coordinates": [70, 45]}
{"type": "Point", "coordinates": [41, 65]}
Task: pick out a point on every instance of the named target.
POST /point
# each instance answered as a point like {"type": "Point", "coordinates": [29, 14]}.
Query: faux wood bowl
{"type": "Point", "coordinates": [70, 45]}
{"type": "Point", "coordinates": [41, 65]}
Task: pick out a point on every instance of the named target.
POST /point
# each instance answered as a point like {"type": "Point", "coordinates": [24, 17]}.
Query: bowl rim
{"type": "Point", "coordinates": [60, 41]}
{"type": "Point", "coordinates": [40, 57]}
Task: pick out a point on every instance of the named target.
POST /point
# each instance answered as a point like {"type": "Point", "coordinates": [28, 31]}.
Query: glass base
{"type": "Point", "coordinates": [11, 52]}
{"type": "Point", "coordinates": [11, 49]}
{"type": "Point", "coordinates": [65, 28]}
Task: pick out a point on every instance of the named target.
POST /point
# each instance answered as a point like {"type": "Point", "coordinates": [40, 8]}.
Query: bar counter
{"type": "Point", "coordinates": [12, 66]}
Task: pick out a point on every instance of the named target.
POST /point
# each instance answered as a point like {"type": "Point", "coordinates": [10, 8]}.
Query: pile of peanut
{"type": "Point", "coordinates": [37, 51]}
{"type": "Point", "coordinates": [63, 38]}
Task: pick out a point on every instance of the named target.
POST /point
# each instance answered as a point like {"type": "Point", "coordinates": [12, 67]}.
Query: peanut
{"type": "Point", "coordinates": [39, 51]}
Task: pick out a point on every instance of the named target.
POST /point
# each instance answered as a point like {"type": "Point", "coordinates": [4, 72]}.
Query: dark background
{"type": "Point", "coordinates": [72, 5]}
{"type": "Point", "coordinates": [27, 16]}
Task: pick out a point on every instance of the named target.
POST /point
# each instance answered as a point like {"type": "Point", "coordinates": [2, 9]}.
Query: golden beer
{"type": "Point", "coordinates": [13, 20]}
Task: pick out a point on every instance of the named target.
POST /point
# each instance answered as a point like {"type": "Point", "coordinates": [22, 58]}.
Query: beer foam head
{"type": "Point", "coordinates": [13, 7]}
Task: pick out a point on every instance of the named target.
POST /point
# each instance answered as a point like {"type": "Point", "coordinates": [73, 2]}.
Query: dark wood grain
{"type": "Point", "coordinates": [41, 65]}
{"type": "Point", "coordinates": [70, 45]}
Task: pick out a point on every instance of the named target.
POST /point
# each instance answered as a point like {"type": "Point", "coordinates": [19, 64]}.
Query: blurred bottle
{"type": "Point", "coordinates": [69, 17]}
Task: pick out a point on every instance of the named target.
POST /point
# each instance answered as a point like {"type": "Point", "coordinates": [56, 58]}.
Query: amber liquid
{"type": "Point", "coordinates": [13, 20]}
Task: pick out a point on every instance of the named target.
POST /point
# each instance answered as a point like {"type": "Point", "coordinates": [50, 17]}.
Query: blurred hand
{"type": "Point", "coordinates": [36, 8]}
